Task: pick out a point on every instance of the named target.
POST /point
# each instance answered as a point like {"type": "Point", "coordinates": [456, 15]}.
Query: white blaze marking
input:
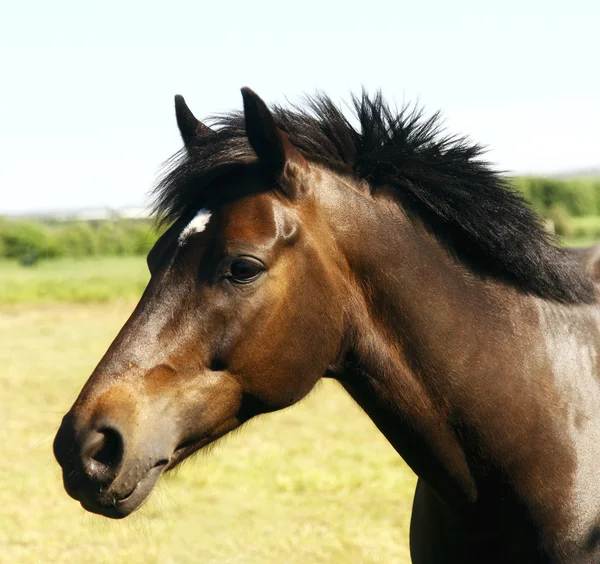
{"type": "Point", "coordinates": [197, 225]}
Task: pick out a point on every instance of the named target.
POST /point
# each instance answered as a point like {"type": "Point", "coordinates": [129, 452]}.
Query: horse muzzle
{"type": "Point", "coordinates": [102, 471]}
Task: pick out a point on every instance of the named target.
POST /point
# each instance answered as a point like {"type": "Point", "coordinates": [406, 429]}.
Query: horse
{"type": "Point", "coordinates": [379, 250]}
{"type": "Point", "coordinates": [590, 256]}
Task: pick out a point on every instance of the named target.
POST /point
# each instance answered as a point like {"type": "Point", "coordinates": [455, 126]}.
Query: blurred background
{"type": "Point", "coordinates": [86, 119]}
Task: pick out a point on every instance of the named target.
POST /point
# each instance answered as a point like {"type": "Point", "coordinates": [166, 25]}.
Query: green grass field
{"type": "Point", "coordinates": [315, 483]}
{"type": "Point", "coordinates": [93, 279]}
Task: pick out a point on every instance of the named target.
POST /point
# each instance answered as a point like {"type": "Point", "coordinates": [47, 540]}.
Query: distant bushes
{"type": "Point", "coordinates": [30, 241]}
{"type": "Point", "coordinates": [573, 206]}
{"type": "Point", "coordinates": [560, 219]}
{"type": "Point", "coordinates": [578, 197]}
{"type": "Point", "coordinates": [22, 239]}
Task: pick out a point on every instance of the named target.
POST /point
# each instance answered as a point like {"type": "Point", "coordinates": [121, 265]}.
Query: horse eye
{"type": "Point", "coordinates": [244, 270]}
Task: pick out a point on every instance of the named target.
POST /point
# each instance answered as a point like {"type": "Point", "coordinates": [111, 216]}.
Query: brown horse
{"type": "Point", "coordinates": [391, 258]}
{"type": "Point", "coordinates": [590, 256]}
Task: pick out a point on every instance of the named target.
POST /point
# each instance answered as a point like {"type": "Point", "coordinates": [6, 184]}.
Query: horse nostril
{"type": "Point", "coordinates": [102, 453]}
{"type": "Point", "coordinates": [110, 452]}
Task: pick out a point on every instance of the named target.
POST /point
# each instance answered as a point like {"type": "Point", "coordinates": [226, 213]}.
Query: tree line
{"type": "Point", "coordinates": [572, 206]}
{"type": "Point", "coordinates": [31, 240]}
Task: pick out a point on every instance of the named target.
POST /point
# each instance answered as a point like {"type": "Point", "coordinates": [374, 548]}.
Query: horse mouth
{"type": "Point", "coordinates": [107, 505]}
{"type": "Point", "coordinates": [184, 450]}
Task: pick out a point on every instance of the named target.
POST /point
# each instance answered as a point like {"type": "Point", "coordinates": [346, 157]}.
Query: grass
{"type": "Point", "coordinates": [580, 241]}
{"type": "Point", "coordinates": [585, 230]}
{"type": "Point", "coordinates": [589, 223]}
{"type": "Point", "coordinates": [316, 483]}
{"type": "Point", "coordinates": [94, 279]}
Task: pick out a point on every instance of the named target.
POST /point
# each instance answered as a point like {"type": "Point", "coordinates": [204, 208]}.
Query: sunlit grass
{"type": "Point", "coordinates": [93, 279]}
{"type": "Point", "coordinates": [315, 483]}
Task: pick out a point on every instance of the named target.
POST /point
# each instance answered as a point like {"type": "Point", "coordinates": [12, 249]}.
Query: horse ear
{"type": "Point", "coordinates": [280, 159]}
{"type": "Point", "coordinates": [189, 127]}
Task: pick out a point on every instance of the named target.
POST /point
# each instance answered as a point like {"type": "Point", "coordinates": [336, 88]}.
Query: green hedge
{"type": "Point", "coordinates": [572, 205]}
{"type": "Point", "coordinates": [578, 197]}
{"type": "Point", "coordinates": [30, 241]}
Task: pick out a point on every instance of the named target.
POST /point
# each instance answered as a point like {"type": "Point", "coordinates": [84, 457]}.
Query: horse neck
{"type": "Point", "coordinates": [431, 345]}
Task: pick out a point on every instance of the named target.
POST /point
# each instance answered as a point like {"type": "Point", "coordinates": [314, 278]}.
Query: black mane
{"type": "Point", "coordinates": [439, 179]}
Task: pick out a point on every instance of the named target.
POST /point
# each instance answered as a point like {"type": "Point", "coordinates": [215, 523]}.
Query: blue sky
{"type": "Point", "coordinates": [86, 103]}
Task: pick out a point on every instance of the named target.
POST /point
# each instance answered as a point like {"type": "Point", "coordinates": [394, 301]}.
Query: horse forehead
{"type": "Point", "coordinates": [196, 225]}
{"type": "Point", "coordinates": [256, 217]}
